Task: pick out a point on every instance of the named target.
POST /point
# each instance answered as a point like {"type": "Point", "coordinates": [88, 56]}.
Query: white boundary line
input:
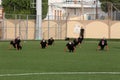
{"type": "Point", "coordinates": [62, 73]}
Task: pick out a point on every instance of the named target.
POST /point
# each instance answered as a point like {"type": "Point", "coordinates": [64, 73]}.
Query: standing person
{"type": "Point", "coordinates": [43, 43]}
{"type": "Point", "coordinates": [50, 41]}
{"type": "Point", "coordinates": [70, 46]}
{"type": "Point", "coordinates": [102, 44]}
{"type": "Point", "coordinates": [76, 42]}
{"type": "Point", "coordinates": [80, 39]}
{"type": "Point", "coordinates": [82, 33]}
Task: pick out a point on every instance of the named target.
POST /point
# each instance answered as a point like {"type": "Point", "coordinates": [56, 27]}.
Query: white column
{"type": "Point", "coordinates": [38, 32]}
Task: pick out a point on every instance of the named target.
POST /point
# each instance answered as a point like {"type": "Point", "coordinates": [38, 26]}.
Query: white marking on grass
{"type": "Point", "coordinates": [62, 73]}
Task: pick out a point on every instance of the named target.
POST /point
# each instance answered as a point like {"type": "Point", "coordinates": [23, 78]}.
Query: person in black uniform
{"type": "Point", "coordinates": [80, 39]}
{"type": "Point", "coordinates": [102, 44]}
{"type": "Point", "coordinates": [12, 43]}
{"type": "Point", "coordinates": [18, 43]}
{"type": "Point", "coordinates": [50, 41]}
{"type": "Point", "coordinates": [76, 42]}
{"type": "Point", "coordinates": [70, 46]}
{"type": "Point", "coordinates": [82, 33]}
{"type": "Point", "coordinates": [43, 43]}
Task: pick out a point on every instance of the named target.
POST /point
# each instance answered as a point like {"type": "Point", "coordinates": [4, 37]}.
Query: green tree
{"type": "Point", "coordinates": [17, 7]}
{"type": "Point", "coordinates": [22, 7]}
{"type": "Point", "coordinates": [107, 3]}
{"type": "Point", "coordinates": [44, 8]}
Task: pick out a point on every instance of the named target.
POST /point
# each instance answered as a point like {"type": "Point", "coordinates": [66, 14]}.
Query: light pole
{"type": "Point", "coordinates": [96, 9]}
{"type": "Point", "coordinates": [82, 9]}
{"type": "Point", "coordinates": [38, 31]}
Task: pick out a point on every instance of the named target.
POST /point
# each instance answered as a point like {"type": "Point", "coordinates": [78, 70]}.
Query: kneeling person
{"type": "Point", "coordinates": [43, 43]}
{"type": "Point", "coordinates": [12, 43]}
{"type": "Point", "coordinates": [18, 43]}
{"type": "Point", "coordinates": [70, 46]}
{"type": "Point", "coordinates": [50, 41]}
{"type": "Point", "coordinates": [102, 44]}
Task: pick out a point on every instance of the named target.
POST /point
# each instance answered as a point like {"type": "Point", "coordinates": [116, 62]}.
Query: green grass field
{"type": "Point", "coordinates": [52, 63]}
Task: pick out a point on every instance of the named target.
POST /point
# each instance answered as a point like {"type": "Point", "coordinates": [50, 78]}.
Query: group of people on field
{"type": "Point", "coordinates": [45, 43]}
{"type": "Point", "coordinates": [71, 45]}
{"type": "Point", "coordinates": [16, 43]}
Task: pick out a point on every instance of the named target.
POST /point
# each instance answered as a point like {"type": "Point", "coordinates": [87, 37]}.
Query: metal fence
{"type": "Point", "coordinates": [56, 26]}
{"type": "Point", "coordinates": [14, 25]}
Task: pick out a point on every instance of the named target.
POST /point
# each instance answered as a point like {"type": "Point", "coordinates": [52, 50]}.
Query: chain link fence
{"type": "Point", "coordinates": [13, 25]}
{"type": "Point", "coordinates": [24, 26]}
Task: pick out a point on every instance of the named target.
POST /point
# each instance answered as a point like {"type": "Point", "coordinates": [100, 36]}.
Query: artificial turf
{"type": "Point", "coordinates": [33, 59]}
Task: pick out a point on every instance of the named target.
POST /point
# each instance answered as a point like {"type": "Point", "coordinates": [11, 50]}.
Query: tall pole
{"type": "Point", "coordinates": [96, 9]}
{"type": "Point", "coordinates": [66, 20]}
{"type": "Point", "coordinates": [109, 17]}
{"type": "Point", "coordinates": [49, 21]}
{"type": "Point", "coordinates": [38, 33]}
{"type": "Point", "coordinates": [82, 9]}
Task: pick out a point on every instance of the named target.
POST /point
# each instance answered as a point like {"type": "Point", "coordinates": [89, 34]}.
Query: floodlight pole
{"type": "Point", "coordinates": [82, 9]}
{"type": "Point", "coordinates": [96, 9]}
{"type": "Point", "coordinates": [38, 33]}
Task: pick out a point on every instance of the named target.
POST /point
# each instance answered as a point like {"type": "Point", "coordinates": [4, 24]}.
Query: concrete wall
{"type": "Point", "coordinates": [14, 28]}
{"type": "Point", "coordinates": [93, 29]}
{"type": "Point", "coordinates": [61, 29]}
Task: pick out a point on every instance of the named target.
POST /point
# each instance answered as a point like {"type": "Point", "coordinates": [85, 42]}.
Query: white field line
{"type": "Point", "coordinates": [62, 73]}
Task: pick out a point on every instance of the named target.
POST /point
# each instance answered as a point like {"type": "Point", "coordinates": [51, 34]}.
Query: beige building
{"type": "Point", "coordinates": [74, 10]}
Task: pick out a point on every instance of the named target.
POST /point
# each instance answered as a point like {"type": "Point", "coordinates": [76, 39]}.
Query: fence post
{"type": "Point", "coordinates": [3, 27]}
{"type": "Point", "coordinates": [27, 28]}
{"type": "Point", "coordinates": [15, 26]}
{"type": "Point", "coordinates": [48, 26]}
{"type": "Point", "coordinates": [19, 26]}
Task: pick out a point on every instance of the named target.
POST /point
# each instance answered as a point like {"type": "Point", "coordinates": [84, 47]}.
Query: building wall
{"type": "Point", "coordinates": [96, 29]}
{"type": "Point", "coordinates": [115, 30]}
{"type": "Point", "coordinates": [61, 30]}
{"type": "Point", "coordinates": [14, 28]}
{"type": "Point", "coordinates": [93, 29]}
{"type": "Point", "coordinates": [1, 13]}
